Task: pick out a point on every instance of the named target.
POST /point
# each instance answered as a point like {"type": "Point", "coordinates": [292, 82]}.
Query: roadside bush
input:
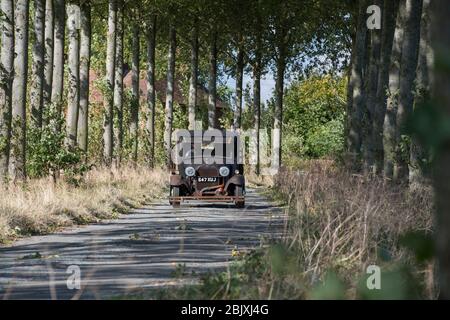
{"type": "Point", "coordinates": [47, 152]}
{"type": "Point", "coordinates": [327, 141]}
{"type": "Point", "coordinates": [314, 117]}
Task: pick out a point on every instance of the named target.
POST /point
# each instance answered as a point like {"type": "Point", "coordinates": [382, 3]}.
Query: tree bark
{"type": "Point", "coordinates": [169, 96]}
{"type": "Point", "coordinates": [58, 55]}
{"type": "Point", "coordinates": [135, 79]}
{"type": "Point", "coordinates": [257, 108]}
{"type": "Point", "coordinates": [49, 45]}
{"type": "Point", "coordinates": [410, 52]}
{"type": "Point", "coordinates": [194, 77]}
{"type": "Point", "coordinates": [118, 86]}
{"type": "Point", "coordinates": [19, 90]}
{"type": "Point", "coordinates": [278, 114]}
{"type": "Point", "coordinates": [73, 96]}
{"type": "Point", "coordinates": [6, 78]}
{"type": "Point", "coordinates": [349, 102]}
{"type": "Point", "coordinates": [418, 151]}
{"type": "Point", "coordinates": [357, 83]}
{"type": "Point", "coordinates": [37, 72]}
{"type": "Point", "coordinates": [371, 93]}
{"type": "Point", "coordinates": [239, 85]}
{"type": "Point", "coordinates": [212, 84]}
{"type": "Point", "coordinates": [151, 96]}
{"type": "Point", "coordinates": [440, 11]}
{"type": "Point", "coordinates": [390, 10]}
{"type": "Point", "coordinates": [85, 62]}
{"type": "Point", "coordinates": [108, 133]}
{"type": "Point", "coordinates": [390, 126]}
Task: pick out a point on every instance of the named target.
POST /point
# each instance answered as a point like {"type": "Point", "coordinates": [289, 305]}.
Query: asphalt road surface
{"type": "Point", "coordinates": [140, 251]}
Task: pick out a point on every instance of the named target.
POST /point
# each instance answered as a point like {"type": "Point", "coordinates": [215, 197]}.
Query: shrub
{"type": "Point", "coordinates": [313, 117]}
{"type": "Point", "coordinates": [47, 151]}
{"type": "Point", "coordinates": [326, 141]}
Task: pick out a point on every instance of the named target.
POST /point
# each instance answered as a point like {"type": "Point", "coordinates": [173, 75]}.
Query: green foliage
{"type": "Point", "coordinates": [332, 288]}
{"type": "Point", "coordinates": [47, 152]}
{"type": "Point", "coordinates": [314, 117]}
{"type": "Point", "coordinates": [326, 140]}
{"type": "Point", "coordinates": [421, 244]}
{"type": "Point", "coordinates": [95, 146]}
{"type": "Point", "coordinates": [430, 124]}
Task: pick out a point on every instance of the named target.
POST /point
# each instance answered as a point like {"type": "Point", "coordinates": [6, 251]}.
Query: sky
{"type": "Point", "coordinates": [267, 85]}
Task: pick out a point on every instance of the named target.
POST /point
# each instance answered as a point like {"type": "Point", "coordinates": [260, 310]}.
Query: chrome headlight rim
{"type": "Point", "coordinates": [224, 171]}
{"type": "Point", "coordinates": [189, 171]}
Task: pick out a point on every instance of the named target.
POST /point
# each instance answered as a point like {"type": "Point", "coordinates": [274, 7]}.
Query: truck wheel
{"type": "Point", "coordinates": [238, 192]}
{"type": "Point", "coordinates": [175, 192]}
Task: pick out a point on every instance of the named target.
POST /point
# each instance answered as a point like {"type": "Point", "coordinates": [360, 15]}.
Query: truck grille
{"type": "Point", "coordinates": [208, 171]}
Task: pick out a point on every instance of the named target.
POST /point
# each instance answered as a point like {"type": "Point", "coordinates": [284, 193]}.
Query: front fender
{"type": "Point", "coordinates": [177, 181]}
{"type": "Point", "coordinates": [237, 180]}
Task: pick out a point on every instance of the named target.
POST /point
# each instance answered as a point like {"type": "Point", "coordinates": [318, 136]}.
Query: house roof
{"type": "Point", "coordinates": [180, 97]}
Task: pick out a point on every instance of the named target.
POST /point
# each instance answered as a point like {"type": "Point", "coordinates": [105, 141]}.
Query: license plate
{"type": "Point", "coordinates": [207, 179]}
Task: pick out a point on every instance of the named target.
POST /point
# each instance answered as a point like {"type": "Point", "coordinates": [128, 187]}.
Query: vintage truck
{"type": "Point", "coordinates": [210, 170]}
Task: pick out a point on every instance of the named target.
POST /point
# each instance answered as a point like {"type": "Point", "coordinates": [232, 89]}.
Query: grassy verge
{"type": "Point", "coordinates": [41, 207]}
{"type": "Point", "coordinates": [340, 224]}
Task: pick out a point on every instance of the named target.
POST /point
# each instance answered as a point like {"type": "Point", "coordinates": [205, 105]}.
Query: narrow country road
{"type": "Point", "coordinates": [139, 251]}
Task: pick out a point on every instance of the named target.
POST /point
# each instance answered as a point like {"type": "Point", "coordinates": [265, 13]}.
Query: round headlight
{"type": "Point", "coordinates": [189, 171]}
{"type": "Point", "coordinates": [224, 171]}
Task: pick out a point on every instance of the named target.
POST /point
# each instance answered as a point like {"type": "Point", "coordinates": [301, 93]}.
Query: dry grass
{"type": "Point", "coordinates": [253, 180]}
{"type": "Point", "coordinates": [41, 206]}
{"type": "Point", "coordinates": [345, 222]}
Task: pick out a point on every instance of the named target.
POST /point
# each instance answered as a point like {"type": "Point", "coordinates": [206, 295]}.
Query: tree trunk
{"type": "Point", "coordinates": [135, 79]}
{"type": "Point", "coordinates": [357, 84]}
{"type": "Point", "coordinates": [49, 40]}
{"type": "Point", "coordinates": [410, 52]}
{"type": "Point", "coordinates": [390, 126]}
{"type": "Point", "coordinates": [371, 93]}
{"type": "Point", "coordinates": [73, 96]}
{"type": "Point", "coordinates": [239, 85]}
{"type": "Point", "coordinates": [118, 86]}
{"type": "Point", "coordinates": [169, 96]}
{"type": "Point", "coordinates": [151, 96]}
{"type": "Point", "coordinates": [424, 66]}
{"type": "Point", "coordinates": [108, 126]}
{"type": "Point", "coordinates": [349, 102]}
{"type": "Point", "coordinates": [212, 90]}
{"type": "Point", "coordinates": [37, 73]}
{"type": "Point", "coordinates": [257, 109]}
{"type": "Point", "coordinates": [390, 10]}
{"type": "Point", "coordinates": [19, 90]}
{"type": "Point", "coordinates": [440, 12]}
{"type": "Point", "coordinates": [85, 62]}
{"type": "Point", "coordinates": [194, 77]}
{"type": "Point", "coordinates": [6, 78]}
{"type": "Point", "coordinates": [278, 115]}
{"type": "Point", "coordinates": [58, 55]}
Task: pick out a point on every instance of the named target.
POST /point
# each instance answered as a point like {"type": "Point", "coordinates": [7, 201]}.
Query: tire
{"type": "Point", "coordinates": [239, 192]}
{"type": "Point", "coordinates": [175, 192]}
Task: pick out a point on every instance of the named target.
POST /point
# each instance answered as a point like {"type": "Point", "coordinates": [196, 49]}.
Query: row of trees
{"type": "Point", "coordinates": [398, 105]}
{"type": "Point", "coordinates": [231, 37]}
{"type": "Point", "coordinates": [389, 77]}
{"type": "Point", "coordinates": [388, 74]}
